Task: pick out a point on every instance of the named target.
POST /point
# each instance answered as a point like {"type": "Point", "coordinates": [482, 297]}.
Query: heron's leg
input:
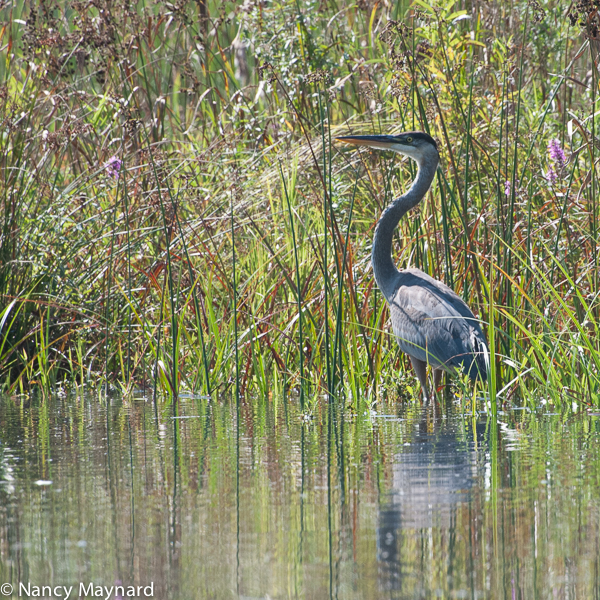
{"type": "Point", "coordinates": [437, 378]}
{"type": "Point", "coordinates": [420, 368]}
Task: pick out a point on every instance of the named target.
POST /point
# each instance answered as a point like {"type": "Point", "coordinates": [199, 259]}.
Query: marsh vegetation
{"type": "Point", "coordinates": [175, 215]}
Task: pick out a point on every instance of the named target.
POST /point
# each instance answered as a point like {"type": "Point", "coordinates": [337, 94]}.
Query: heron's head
{"type": "Point", "coordinates": [417, 145]}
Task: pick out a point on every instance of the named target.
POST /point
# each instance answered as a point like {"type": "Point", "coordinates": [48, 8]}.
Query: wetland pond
{"type": "Point", "coordinates": [208, 499]}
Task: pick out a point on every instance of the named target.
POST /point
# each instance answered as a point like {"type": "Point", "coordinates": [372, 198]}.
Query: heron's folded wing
{"type": "Point", "coordinates": [434, 325]}
{"type": "Point", "coordinates": [440, 341]}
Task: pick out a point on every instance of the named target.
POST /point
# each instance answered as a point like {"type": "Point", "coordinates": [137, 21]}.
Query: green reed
{"type": "Point", "coordinates": [298, 288]}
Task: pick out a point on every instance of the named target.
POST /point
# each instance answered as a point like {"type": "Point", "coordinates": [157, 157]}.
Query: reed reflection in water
{"type": "Point", "coordinates": [210, 499]}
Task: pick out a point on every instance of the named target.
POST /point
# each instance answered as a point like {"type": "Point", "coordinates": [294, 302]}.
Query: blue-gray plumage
{"type": "Point", "coordinates": [431, 323]}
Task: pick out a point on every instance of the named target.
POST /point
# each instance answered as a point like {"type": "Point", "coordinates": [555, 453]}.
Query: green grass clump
{"type": "Point", "coordinates": [141, 140]}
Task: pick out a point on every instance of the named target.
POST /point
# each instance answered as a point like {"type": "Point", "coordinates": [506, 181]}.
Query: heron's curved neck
{"type": "Point", "coordinates": [386, 273]}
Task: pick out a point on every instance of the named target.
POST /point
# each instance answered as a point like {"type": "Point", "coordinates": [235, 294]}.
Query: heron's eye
{"type": "Point", "coordinates": [409, 139]}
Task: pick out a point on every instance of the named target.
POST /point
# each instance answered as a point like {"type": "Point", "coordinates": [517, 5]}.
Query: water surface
{"type": "Point", "coordinates": [399, 502]}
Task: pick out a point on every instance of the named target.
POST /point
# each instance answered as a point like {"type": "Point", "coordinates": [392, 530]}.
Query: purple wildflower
{"type": "Point", "coordinates": [558, 157]}
{"type": "Point", "coordinates": [551, 175]}
{"type": "Point", "coordinates": [557, 154]}
{"type": "Point", "coordinates": [113, 166]}
{"type": "Point", "coordinates": [507, 188]}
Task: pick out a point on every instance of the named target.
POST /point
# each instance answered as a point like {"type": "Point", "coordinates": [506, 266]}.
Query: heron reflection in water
{"type": "Point", "coordinates": [433, 477]}
{"type": "Point", "coordinates": [431, 323]}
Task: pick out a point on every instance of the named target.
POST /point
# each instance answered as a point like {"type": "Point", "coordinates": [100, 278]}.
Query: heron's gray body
{"type": "Point", "coordinates": [431, 323]}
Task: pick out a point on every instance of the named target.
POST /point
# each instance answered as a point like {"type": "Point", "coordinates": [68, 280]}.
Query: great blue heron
{"type": "Point", "coordinates": [431, 323]}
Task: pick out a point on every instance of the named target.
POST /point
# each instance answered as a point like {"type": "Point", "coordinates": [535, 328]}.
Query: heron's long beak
{"type": "Point", "coordinates": [383, 142]}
